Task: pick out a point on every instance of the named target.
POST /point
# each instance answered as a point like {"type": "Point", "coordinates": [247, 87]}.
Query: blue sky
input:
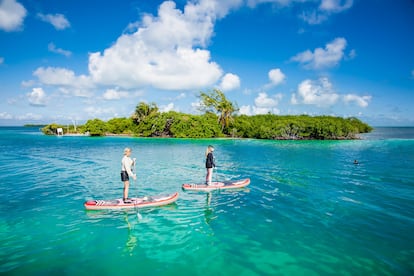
{"type": "Point", "coordinates": [71, 60]}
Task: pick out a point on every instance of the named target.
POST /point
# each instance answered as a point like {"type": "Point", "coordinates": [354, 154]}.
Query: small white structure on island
{"type": "Point", "coordinates": [59, 131]}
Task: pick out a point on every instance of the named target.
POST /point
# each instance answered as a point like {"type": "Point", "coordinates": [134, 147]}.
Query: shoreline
{"type": "Point", "coordinates": [224, 138]}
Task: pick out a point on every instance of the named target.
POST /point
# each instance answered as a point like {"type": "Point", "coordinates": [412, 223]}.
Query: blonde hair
{"type": "Point", "coordinates": [126, 150]}
{"type": "Point", "coordinates": [209, 148]}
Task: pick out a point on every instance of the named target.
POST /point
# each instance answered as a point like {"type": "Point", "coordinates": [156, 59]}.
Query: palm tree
{"type": "Point", "coordinates": [143, 111]}
{"type": "Point", "coordinates": [216, 102]}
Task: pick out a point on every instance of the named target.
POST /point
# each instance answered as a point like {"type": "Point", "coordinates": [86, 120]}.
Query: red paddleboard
{"type": "Point", "coordinates": [137, 202]}
{"type": "Point", "coordinates": [233, 184]}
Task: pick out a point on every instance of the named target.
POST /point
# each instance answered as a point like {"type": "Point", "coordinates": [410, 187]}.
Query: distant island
{"type": "Point", "coordinates": [217, 121]}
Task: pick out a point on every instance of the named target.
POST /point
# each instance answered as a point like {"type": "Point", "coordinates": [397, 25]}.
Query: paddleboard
{"type": "Point", "coordinates": [138, 202]}
{"type": "Point", "coordinates": [233, 184]}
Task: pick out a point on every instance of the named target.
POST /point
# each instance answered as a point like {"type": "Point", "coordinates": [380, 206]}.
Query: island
{"type": "Point", "coordinates": [218, 120]}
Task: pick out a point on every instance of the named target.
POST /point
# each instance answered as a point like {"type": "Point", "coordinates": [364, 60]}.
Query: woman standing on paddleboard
{"type": "Point", "coordinates": [126, 172]}
{"type": "Point", "coordinates": [209, 164]}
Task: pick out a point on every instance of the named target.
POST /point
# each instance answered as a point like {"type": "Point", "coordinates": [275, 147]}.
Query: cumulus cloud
{"type": "Point", "coordinates": [167, 108]}
{"type": "Point", "coordinates": [361, 101]}
{"type": "Point", "coordinates": [52, 48]}
{"type": "Point", "coordinates": [114, 94]}
{"type": "Point", "coordinates": [323, 58]}
{"type": "Point", "coordinates": [58, 20]}
{"type": "Point", "coordinates": [319, 93]}
{"type": "Point", "coordinates": [67, 80]}
{"type": "Point", "coordinates": [229, 82]}
{"type": "Point", "coordinates": [166, 51]}
{"type": "Point", "coordinates": [12, 15]}
{"type": "Point", "coordinates": [37, 97]}
{"type": "Point", "coordinates": [245, 110]}
{"type": "Point", "coordinates": [263, 104]}
{"type": "Point", "coordinates": [276, 77]}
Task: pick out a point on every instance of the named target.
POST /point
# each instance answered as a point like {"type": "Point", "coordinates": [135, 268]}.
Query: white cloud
{"type": "Point", "coordinates": [196, 106]}
{"type": "Point", "coordinates": [335, 6]}
{"type": "Point", "coordinates": [323, 58]}
{"type": "Point", "coordinates": [37, 97]}
{"type": "Point", "coordinates": [164, 52]}
{"type": "Point", "coordinates": [95, 112]}
{"type": "Point", "coordinates": [29, 116]}
{"type": "Point", "coordinates": [12, 15]}
{"type": "Point", "coordinates": [52, 48]}
{"type": "Point", "coordinates": [58, 21]}
{"type": "Point", "coordinates": [5, 116]}
{"type": "Point", "coordinates": [246, 110]}
{"type": "Point", "coordinates": [315, 14]}
{"type": "Point", "coordinates": [77, 92]}
{"type": "Point", "coordinates": [66, 79]}
{"type": "Point", "coordinates": [229, 82]}
{"type": "Point", "coordinates": [263, 100]}
{"type": "Point", "coordinates": [166, 108]}
{"type": "Point", "coordinates": [276, 76]}
{"type": "Point", "coordinates": [352, 54]}
{"type": "Point", "coordinates": [361, 101]}
{"type": "Point", "coordinates": [325, 9]}
{"type": "Point", "coordinates": [114, 94]}
{"type": "Point", "coordinates": [319, 93]}
{"type": "Point", "coordinates": [263, 104]}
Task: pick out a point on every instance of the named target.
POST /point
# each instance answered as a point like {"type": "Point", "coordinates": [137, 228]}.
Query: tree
{"type": "Point", "coordinates": [143, 111]}
{"type": "Point", "coordinates": [216, 102]}
{"type": "Point", "coordinates": [120, 125]}
{"type": "Point", "coordinates": [96, 127]}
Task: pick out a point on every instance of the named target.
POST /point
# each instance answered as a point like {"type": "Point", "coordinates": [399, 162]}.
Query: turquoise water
{"type": "Point", "coordinates": [308, 210]}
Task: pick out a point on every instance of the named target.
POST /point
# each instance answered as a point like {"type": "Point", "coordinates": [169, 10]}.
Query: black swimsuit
{"type": "Point", "coordinates": [210, 161]}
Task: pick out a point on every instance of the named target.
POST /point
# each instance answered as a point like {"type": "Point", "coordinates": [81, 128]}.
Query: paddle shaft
{"type": "Point", "coordinates": [136, 188]}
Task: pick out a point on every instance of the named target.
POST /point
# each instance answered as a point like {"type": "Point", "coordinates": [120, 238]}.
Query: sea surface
{"type": "Point", "coordinates": [309, 210]}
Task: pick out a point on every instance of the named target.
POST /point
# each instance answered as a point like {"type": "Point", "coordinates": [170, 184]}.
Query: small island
{"type": "Point", "coordinates": [218, 120]}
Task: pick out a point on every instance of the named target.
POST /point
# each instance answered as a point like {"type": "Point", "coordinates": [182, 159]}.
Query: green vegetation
{"type": "Point", "coordinates": [216, 102]}
{"type": "Point", "coordinates": [218, 121]}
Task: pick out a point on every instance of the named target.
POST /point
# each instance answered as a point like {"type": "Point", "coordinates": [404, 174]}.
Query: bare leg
{"type": "Point", "coordinates": [209, 176]}
{"type": "Point", "coordinates": [126, 188]}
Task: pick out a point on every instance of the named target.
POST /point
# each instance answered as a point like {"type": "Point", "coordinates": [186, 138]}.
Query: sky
{"type": "Point", "coordinates": [69, 61]}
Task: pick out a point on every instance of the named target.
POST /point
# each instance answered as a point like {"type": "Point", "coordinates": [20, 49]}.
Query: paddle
{"type": "Point", "coordinates": [136, 187]}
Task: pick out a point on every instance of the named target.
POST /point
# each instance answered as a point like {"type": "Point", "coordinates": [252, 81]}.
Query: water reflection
{"type": "Point", "coordinates": [132, 240]}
